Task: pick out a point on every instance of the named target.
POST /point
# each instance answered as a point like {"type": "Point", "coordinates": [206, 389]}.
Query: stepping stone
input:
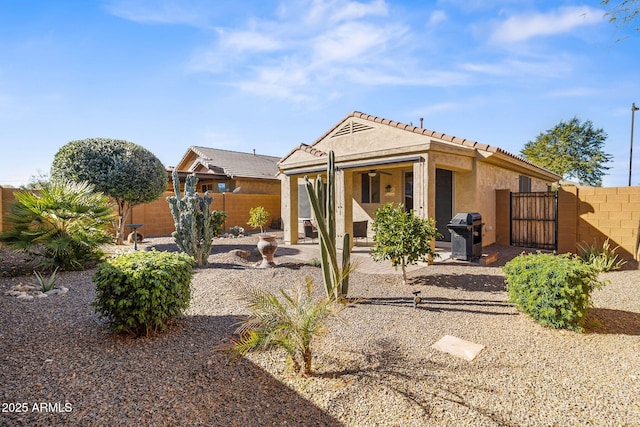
{"type": "Point", "coordinates": [458, 347]}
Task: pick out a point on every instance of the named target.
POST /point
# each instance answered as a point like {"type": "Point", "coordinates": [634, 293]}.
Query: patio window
{"type": "Point", "coordinates": [370, 188]}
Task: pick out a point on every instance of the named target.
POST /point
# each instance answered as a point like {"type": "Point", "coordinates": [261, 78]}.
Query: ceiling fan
{"type": "Point", "coordinates": [373, 172]}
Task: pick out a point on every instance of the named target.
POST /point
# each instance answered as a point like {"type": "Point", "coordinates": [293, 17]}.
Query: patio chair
{"type": "Point", "coordinates": [310, 231]}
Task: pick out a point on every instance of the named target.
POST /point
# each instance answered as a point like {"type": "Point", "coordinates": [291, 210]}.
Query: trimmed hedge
{"type": "Point", "coordinates": [555, 290]}
{"type": "Point", "coordinates": [139, 292]}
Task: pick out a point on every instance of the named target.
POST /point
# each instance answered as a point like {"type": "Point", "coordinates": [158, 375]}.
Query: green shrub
{"type": "Point", "coordinates": [555, 290]}
{"type": "Point", "coordinates": [217, 220]}
{"type": "Point", "coordinates": [602, 258]}
{"type": "Point", "coordinates": [63, 224]}
{"type": "Point", "coordinates": [140, 292]}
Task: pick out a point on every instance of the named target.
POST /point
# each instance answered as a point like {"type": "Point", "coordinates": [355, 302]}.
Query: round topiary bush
{"type": "Point", "coordinates": [555, 290]}
{"type": "Point", "coordinates": [139, 292]}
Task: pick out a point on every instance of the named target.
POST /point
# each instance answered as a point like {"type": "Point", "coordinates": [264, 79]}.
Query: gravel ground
{"type": "Point", "coordinates": [60, 366]}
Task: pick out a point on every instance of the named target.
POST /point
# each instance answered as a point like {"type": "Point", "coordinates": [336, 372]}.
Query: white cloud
{"type": "Point", "coordinates": [519, 28]}
{"type": "Point", "coordinates": [533, 67]}
{"type": "Point", "coordinates": [249, 41]}
{"type": "Point", "coordinates": [335, 11]}
{"type": "Point", "coordinates": [436, 18]}
{"type": "Point", "coordinates": [156, 11]}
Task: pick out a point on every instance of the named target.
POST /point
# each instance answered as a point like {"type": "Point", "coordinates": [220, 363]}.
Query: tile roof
{"type": "Point", "coordinates": [418, 130]}
{"type": "Point", "coordinates": [237, 164]}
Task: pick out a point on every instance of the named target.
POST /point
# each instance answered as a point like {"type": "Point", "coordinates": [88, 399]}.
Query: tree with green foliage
{"type": "Point", "coordinates": [572, 149]}
{"type": "Point", "coordinates": [258, 217]}
{"type": "Point", "coordinates": [623, 12]}
{"type": "Point", "coordinates": [61, 225]}
{"type": "Point", "coordinates": [402, 237]}
{"type": "Point", "coordinates": [126, 172]}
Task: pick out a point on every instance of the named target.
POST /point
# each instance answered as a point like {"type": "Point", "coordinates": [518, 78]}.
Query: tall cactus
{"type": "Point", "coordinates": [193, 219]}
{"type": "Point", "coordinates": [335, 277]}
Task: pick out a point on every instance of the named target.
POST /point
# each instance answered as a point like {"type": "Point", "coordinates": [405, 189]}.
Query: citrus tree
{"type": "Point", "coordinates": [402, 238]}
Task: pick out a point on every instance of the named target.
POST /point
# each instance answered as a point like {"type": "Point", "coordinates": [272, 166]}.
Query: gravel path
{"type": "Point", "coordinates": [59, 366]}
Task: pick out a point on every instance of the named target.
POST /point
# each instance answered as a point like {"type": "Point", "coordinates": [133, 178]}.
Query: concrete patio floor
{"type": "Point", "coordinates": [360, 253]}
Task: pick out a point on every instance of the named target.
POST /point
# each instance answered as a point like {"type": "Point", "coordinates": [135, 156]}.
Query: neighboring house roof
{"type": "Point", "coordinates": [232, 164]}
{"type": "Point", "coordinates": [409, 128]}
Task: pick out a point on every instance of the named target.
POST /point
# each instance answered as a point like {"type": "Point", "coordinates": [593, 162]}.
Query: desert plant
{"type": "Point", "coordinates": [258, 217]}
{"type": "Point", "coordinates": [291, 323]}
{"type": "Point", "coordinates": [45, 285]}
{"type": "Point", "coordinates": [217, 221]}
{"type": "Point", "coordinates": [61, 225]}
{"type": "Point", "coordinates": [555, 290]}
{"type": "Point", "coordinates": [236, 230]}
{"type": "Point", "coordinates": [402, 237]}
{"type": "Point", "coordinates": [193, 219]}
{"type": "Point", "coordinates": [602, 258]}
{"type": "Point", "coordinates": [140, 292]}
{"type": "Point", "coordinates": [334, 276]}
{"type": "Point", "coordinates": [128, 173]}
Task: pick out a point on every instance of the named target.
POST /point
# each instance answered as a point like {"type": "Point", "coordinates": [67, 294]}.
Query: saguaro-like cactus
{"type": "Point", "coordinates": [335, 276]}
{"type": "Point", "coordinates": [193, 219]}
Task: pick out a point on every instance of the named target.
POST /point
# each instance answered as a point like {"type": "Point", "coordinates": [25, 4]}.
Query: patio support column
{"type": "Point", "coordinates": [344, 206]}
{"type": "Point", "coordinates": [289, 208]}
{"type": "Point", "coordinates": [424, 187]}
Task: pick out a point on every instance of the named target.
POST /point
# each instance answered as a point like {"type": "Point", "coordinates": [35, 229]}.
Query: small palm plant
{"type": "Point", "coordinates": [63, 225]}
{"type": "Point", "coordinates": [291, 323]}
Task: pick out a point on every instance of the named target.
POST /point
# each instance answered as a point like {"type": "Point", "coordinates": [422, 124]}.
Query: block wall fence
{"type": "Point", "coordinates": [157, 218]}
{"type": "Point", "coordinates": [588, 216]}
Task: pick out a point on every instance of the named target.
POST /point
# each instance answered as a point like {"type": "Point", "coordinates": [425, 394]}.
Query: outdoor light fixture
{"type": "Point", "coordinates": [633, 112]}
{"type": "Point", "coordinates": [388, 188]}
{"type": "Point", "coordinates": [372, 173]}
{"type": "Point", "coordinates": [416, 299]}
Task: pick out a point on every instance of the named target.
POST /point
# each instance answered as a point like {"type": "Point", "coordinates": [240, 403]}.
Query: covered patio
{"type": "Point", "coordinates": [380, 161]}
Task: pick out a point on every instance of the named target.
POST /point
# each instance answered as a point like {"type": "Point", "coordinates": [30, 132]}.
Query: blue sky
{"type": "Point", "coordinates": [268, 75]}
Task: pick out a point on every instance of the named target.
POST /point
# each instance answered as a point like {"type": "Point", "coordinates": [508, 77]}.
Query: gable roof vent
{"type": "Point", "coordinates": [350, 128]}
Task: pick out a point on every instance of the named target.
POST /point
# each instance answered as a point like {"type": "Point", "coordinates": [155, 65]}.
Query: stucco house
{"type": "Point", "coordinates": [380, 161]}
{"type": "Point", "coordinates": [224, 171]}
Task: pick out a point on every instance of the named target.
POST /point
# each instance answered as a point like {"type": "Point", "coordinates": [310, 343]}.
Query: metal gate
{"type": "Point", "coordinates": [534, 220]}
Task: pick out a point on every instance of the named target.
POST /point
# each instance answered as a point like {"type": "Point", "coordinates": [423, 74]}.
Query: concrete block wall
{"type": "Point", "coordinates": [613, 213]}
{"type": "Point", "coordinates": [588, 216]}
{"type": "Point", "coordinates": [157, 219]}
{"type": "Point", "coordinates": [156, 216]}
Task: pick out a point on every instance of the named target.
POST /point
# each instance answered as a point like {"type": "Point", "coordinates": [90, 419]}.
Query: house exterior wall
{"type": "Point", "coordinates": [258, 186]}
{"type": "Point", "coordinates": [489, 179]}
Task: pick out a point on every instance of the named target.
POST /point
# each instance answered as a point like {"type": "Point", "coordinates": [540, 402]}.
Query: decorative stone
{"type": "Point", "coordinates": [25, 297]}
{"type": "Point", "coordinates": [41, 295]}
